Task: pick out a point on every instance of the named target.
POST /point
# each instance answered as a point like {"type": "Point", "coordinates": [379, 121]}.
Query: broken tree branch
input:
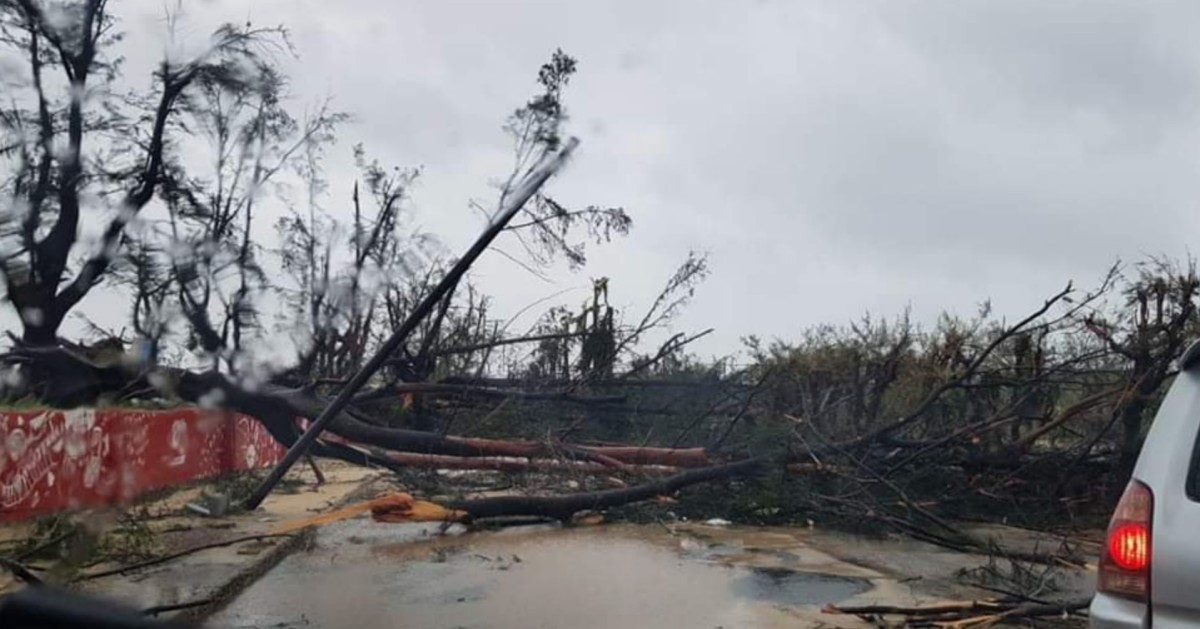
{"type": "Point", "coordinates": [467, 349]}
{"type": "Point", "coordinates": [534, 181]}
{"type": "Point", "coordinates": [174, 556]}
{"type": "Point", "coordinates": [965, 613]}
{"type": "Point", "coordinates": [563, 507]}
{"type": "Point", "coordinates": [442, 462]}
{"type": "Point", "coordinates": [400, 389]}
{"type": "Point", "coordinates": [889, 430]}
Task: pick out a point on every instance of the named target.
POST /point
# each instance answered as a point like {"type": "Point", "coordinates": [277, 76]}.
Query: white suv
{"type": "Point", "coordinates": [1149, 573]}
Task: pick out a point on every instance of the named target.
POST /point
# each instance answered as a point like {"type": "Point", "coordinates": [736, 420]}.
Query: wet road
{"type": "Point", "coordinates": [364, 575]}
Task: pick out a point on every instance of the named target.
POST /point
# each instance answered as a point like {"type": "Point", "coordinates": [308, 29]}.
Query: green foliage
{"type": "Point", "coordinates": [988, 384]}
{"type": "Point", "coordinates": [844, 379]}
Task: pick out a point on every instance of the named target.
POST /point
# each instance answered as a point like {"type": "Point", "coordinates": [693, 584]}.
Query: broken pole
{"type": "Point", "coordinates": [513, 204]}
{"type": "Point", "coordinates": [316, 470]}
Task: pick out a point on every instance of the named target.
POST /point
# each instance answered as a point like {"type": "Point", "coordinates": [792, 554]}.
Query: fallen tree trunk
{"type": "Point", "coordinates": [397, 460]}
{"type": "Point", "coordinates": [397, 390]}
{"type": "Point", "coordinates": [563, 507]}
{"type": "Point", "coordinates": [270, 403]}
{"type": "Point", "coordinates": [634, 455]}
{"type": "Point", "coordinates": [550, 162]}
{"type": "Point", "coordinates": [526, 383]}
{"type": "Point", "coordinates": [498, 464]}
{"type": "Point", "coordinates": [75, 380]}
{"type": "Point", "coordinates": [402, 440]}
{"type": "Point", "coordinates": [672, 457]}
{"type": "Point", "coordinates": [400, 507]}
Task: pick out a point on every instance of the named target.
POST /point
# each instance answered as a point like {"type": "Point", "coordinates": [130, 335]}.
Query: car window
{"type": "Point", "coordinates": [1193, 477]}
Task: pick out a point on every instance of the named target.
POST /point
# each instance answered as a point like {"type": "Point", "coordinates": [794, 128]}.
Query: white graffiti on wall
{"type": "Point", "coordinates": [212, 433]}
{"type": "Point", "coordinates": [86, 444]}
{"type": "Point", "coordinates": [55, 459]}
{"type": "Point", "coordinates": [32, 450]}
{"type": "Point", "coordinates": [179, 440]}
{"type": "Point", "coordinates": [137, 439]}
{"type": "Point", "coordinates": [29, 447]}
{"type": "Point", "coordinates": [258, 446]}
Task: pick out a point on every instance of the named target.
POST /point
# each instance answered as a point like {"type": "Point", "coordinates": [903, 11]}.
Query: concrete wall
{"type": "Point", "coordinates": [52, 460]}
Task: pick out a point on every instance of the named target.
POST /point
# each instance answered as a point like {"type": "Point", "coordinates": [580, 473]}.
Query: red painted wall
{"type": "Point", "coordinates": [52, 460]}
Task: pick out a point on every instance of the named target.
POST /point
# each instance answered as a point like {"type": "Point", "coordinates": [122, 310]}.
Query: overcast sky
{"type": "Point", "coordinates": [832, 157]}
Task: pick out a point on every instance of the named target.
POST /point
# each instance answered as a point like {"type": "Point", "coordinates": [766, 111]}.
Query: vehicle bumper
{"type": "Point", "coordinates": [1114, 612]}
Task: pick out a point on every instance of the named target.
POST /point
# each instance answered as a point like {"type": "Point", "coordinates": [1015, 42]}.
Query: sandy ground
{"type": "Point", "coordinates": [365, 574]}
{"type": "Point", "coordinates": [216, 573]}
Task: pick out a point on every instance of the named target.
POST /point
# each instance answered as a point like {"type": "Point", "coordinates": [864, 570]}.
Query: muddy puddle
{"type": "Point", "coordinates": [363, 575]}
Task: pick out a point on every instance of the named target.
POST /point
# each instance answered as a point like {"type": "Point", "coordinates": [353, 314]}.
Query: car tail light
{"type": "Point", "coordinates": [1125, 563]}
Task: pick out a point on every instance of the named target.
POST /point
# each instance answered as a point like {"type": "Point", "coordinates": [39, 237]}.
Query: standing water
{"type": "Point", "coordinates": [360, 576]}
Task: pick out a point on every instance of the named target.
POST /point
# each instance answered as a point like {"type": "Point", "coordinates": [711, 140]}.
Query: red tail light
{"type": "Point", "coordinates": [1125, 564]}
{"type": "Point", "coordinates": [1129, 547]}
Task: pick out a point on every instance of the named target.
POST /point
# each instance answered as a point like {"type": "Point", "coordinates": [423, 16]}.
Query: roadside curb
{"type": "Point", "coordinates": [262, 564]}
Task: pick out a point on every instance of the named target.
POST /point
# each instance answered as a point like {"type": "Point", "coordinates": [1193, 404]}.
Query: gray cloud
{"type": "Point", "coordinates": [832, 157]}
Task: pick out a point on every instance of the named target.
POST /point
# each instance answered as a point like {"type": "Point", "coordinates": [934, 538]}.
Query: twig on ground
{"type": "Point", "coordinates": [176, 555]}
{"type": "Point", "coordinates": [161, 609]}
{"type": "Point", "coordinates": [21, 572]}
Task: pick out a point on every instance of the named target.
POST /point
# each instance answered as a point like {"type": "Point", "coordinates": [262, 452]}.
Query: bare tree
{"type": "Point", "coordinates": [342, 276]}
{"type": "Point", "coordinates": [590, 345]}
{"type": "Point", "coordinates": [1159, 317]}
{"type": "Point", "coordinates": [210, 224]}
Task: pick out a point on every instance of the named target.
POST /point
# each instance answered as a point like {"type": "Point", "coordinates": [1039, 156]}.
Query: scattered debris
{"type": "Point", "coordinates": [963, 614]}
{"type": "Point", "coordinates": [21, 572]}
{"type": "Point", "coordinates": [198, 509]}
